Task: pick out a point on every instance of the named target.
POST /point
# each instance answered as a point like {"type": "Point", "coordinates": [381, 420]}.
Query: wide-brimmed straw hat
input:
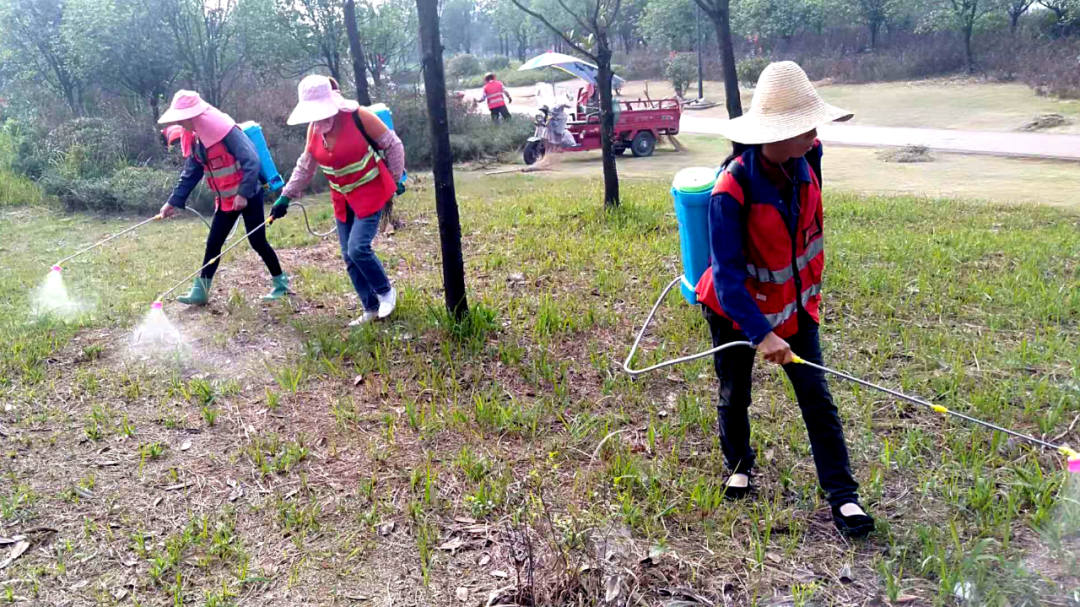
{"type": "Point", "coordinates": [317, 101]}
{"type": "Point", "coordinates": [185, 104]}
{"type": "Point", "coordinates": [785, 105]}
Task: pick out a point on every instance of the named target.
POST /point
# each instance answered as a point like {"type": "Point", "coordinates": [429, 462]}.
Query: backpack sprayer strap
{"type": "Point", "coordinates": [674, 361]}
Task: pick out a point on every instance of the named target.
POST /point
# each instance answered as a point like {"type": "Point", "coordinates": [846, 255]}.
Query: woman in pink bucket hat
{"type": "Point", "coordinates": [217, 149]}
{"type": "Point", "coordinates": [768, 256]}
{"type": "Point", "coordinates": [346, 141]}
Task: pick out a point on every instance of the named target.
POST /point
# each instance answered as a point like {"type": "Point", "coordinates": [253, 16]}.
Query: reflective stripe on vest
{"type": "Point", "coordinates": [368, 177]}
{"type": "Point", "coordinates": [780, 317]}
{"type": "Point", "coordinates": [352, 168]}
{"type": "Point", "coordinates": [815, 248]}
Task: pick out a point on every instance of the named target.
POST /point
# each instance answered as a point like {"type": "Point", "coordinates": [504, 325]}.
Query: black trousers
{"type": "Point", "coordinates": [501, 113]}
{"type": "Point", "coordinates": [733, 369]}
{"type": "Point", "coordinates": [224, 221]}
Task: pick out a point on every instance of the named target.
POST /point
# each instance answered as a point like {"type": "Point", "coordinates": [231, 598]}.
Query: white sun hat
{"type": "Point", "coordinates": [317, 101]}
{"type": "Point", "coordinates": [785, 105]}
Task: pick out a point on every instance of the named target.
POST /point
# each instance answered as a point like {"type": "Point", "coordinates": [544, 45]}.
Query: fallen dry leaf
{"type": "Point", "coordinates": [16, 551]}
{"type": "Point", "coordinates": [452, 545]}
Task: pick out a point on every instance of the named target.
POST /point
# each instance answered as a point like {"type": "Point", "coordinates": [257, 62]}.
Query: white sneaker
{"type": "Point", "coordinates": [366, 318]}
{"type": "Point", "coordinates": [387, 302]}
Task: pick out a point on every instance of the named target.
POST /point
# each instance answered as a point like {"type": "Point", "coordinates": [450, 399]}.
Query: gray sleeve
{"type": "Point", "coordinates": [244, 151]}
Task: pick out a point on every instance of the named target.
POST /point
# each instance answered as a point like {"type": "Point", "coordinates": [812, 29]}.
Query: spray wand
{"type": "Point", "coordinates": [1071, 455]}
{"type": "Point", "coordinates": [158, 301]}
{"type": "Point", "coordinates": [57, 266]}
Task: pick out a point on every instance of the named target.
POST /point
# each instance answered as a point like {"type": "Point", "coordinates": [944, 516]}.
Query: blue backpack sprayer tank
{"type": "Point", "coordinates": [691, 191]}
{"type": "Point", "coordinates": [268, 172]}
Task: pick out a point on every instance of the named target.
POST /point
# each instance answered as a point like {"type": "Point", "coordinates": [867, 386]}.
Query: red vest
{"type": "Point", "coordinates": [358, 177]}
{"type": "Point", "coordinates": [781, 270]}
{"type": "Point", "coordinates": [223, 175]}
{"type": "Point", "coordinates": [495, 94]}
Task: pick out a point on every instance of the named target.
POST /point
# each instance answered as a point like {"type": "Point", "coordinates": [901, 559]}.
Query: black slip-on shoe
{"type": "Point", "coordinates": [855, 526]}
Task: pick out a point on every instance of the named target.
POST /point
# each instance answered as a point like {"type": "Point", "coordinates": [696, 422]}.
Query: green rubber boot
{"type": "Point", "coordinates": [199, 293]}
{"type": "Point", "coordinates": [281, 287]}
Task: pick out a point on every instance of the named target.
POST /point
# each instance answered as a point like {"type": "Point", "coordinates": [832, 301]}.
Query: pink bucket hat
{"type": "Point", "coordinates": [318, 101]}
{"type": "Point", "coordinates": [185, 104]}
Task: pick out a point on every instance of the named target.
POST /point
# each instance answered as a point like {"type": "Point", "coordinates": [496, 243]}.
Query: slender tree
{"type": "Point", "coordinates": [356, 53]}
{"type": "Point", "coordinates": [443, 158]}
{"type": "Point", "coordinates": [719, 12]}
{"type": "Point", "coordinates": [1016, 9]}
{"type": "Point", "coordinates": [597, 18]}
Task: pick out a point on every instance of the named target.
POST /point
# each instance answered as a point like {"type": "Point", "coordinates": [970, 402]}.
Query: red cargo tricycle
{"type": "Point", "coordinates": [638, 125]}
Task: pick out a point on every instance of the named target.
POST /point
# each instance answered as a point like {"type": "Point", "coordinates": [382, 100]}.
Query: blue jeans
{"type": "Point", "coordinates": [364, 268]}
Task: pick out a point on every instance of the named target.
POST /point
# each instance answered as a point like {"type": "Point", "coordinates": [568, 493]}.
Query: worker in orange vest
{"type": "Point", "coordinates": [496, 96]}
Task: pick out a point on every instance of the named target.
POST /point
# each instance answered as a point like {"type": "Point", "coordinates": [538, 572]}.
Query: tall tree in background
{"type": "Point", "coordinates": [443, 169]}
{"type": "Point", "coordinates": [459, 24]}
{"type": "Point", "coordinates": [131, 42]}
{"type": "Point", "coordinates": [316, 27]}
{"type": "Point", "coordinates": [356, 53]}
{"type": "Point", "coordinates": [719, 12]}
{"type": "Point", "coordinates": [33, 32]}
{"type": "Point", "coordinates": [965, 14]}
{"type": "Point", "coordinates": [385, 29]}
{"type": "Point", "coordinates": [208, 42]}
{"type": "Point", "coordinates": [874, 13]}
{"type": "Point", "coordinates": [596, 17]}
{"type": "Point", "coordinates": [1016, 9]}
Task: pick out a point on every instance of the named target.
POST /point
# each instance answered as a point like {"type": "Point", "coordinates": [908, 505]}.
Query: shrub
{"type": "Point", "coordinates": [472, 134]}
{"type": "Point", "coordinates": [516, 78]}
{"type": "Point", "coordinates": [85, 148]}
{"type": "Point", "coordinates": [749, 69]}
{"type": "Point", "coordinates": [498, 62]}
{"type": "Point", "coordinates": [463, 65]}
{"type": "Point", "coordinates": [681, 70]}
{"type": "Point", "coordinates": [130, 189]}
{"type": "Point", "coordinates": [642, 65]}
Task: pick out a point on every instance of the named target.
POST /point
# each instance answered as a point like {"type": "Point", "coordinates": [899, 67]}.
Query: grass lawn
{"type": "Point", "coordinates": [859, 170]}
{"type": "Point", "coordinates": [279, 459]}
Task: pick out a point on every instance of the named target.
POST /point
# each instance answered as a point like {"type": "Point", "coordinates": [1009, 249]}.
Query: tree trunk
{"type": "Point", "coordinates": [356, 52]}
{"type": "Point", "coordinates": [968, 28]}
{"type": "Point", "coordinates": [874, 27]}
{"type": "Point", "coordinates": [607, 122]}
{"type": "Point", "coordinates": [443, 167]}
{"type": "Point", "coordinates": [722, 21]}
{"type": "Point", "coordinates": [1014, 21]}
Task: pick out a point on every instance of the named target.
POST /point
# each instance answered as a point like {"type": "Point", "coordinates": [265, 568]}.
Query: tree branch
{"type": "Point", "coordinates": [565, 38]}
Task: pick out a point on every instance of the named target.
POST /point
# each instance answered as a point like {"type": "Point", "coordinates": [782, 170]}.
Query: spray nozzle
{"type": "Point", "coordinates": [1073, 458]}
{"type": "Point", "coordinates": [56, 268]}
{"type": "Point", "coordinates": [156, 305]}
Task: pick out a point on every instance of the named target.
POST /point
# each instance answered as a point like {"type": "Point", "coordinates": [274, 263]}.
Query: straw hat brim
{"type": "Point", "coordinates": [753, 128]}
{"type": "Point", "coordinates": [173, 115]}
{"type": "Point", "coordinates": [312, 111]}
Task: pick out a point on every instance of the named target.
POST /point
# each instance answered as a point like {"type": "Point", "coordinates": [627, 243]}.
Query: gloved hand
{"type": "Point", "coordinates": [400, 188]}
{"type": "Point", "coordinates": [167, 211]}
{"type": "Point", "coordinates": [280, 208]}
{"type": "Point", "coordinates": [239, 203]}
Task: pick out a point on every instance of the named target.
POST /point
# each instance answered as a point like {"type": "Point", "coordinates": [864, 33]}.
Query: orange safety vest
{"type": "Point", "coordinates": [494, 94]}
{"type": "Point", "coordinates": [783, 272]}
{"type": "Point", "coordinates": [358, 178]}
{"type": "Point", "coordinates": [223, 175]}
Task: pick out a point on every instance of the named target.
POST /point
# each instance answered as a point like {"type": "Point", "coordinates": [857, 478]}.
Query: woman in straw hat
{"type": "Point", "coordinates": [345, 141]}
{"type": "Point", "coordinates": [765, 224]}
{"type": "Point", "coordinates": [217, 148]}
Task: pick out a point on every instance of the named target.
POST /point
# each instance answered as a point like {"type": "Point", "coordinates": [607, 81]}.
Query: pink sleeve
{"type": "Point", "coordinates": [300, 178]}
{"type": "Point", "coordinates": [394, 152]}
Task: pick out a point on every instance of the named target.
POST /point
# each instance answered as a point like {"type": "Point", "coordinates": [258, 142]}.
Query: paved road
{"type": "Point", "coordinates": [1017, 144]}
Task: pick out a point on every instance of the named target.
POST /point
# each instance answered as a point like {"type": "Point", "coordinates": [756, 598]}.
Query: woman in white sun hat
{"type": "Point", "coordinates": [345, 141]}
{"type": "Point", "coordinates": [765, 225]}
